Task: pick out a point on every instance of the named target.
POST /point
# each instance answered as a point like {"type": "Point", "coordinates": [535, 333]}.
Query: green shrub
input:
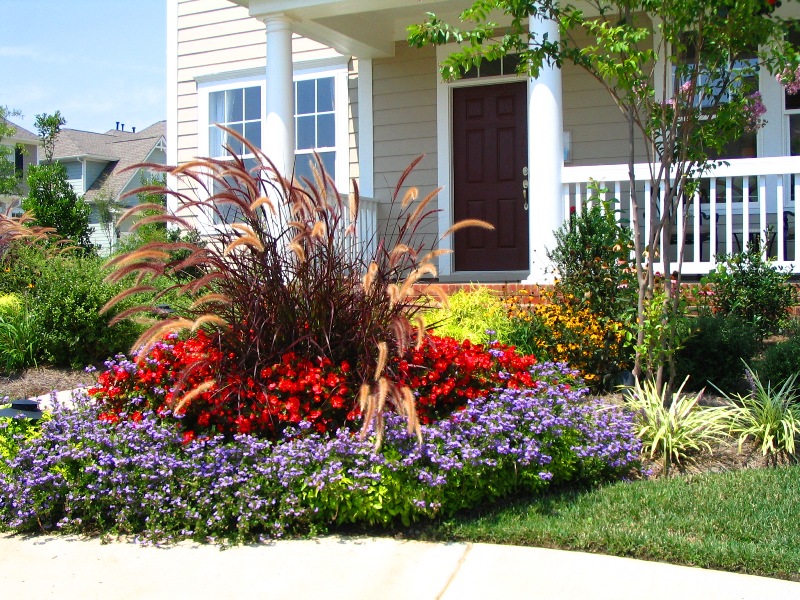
{"type": "Point", "coordinates": [592, 260]}
{"type": "Point", "coordinates": [63, 295]}
{"type": "Point", "coordinates": [751, 287]}
{"type": "Point", "coordinates": [780, 361]}
{"type": "Point", "coordinates": [66, 302]}
{"type": "Point", "coordinates": [714, 351]}
{"type": "Point", "coordinates": [677, 428]}
{"type": "Point", "coordinates": [469, 315]}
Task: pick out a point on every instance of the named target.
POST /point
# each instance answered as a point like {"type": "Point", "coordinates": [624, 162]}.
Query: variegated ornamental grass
{"type": "Point", "coordinates": [676, 428]}
{"type": "Point", "coordinates": [770, 416]}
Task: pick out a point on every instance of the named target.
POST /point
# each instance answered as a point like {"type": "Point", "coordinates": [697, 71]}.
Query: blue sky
{"type": "Point", "coordinates": [97, 61]}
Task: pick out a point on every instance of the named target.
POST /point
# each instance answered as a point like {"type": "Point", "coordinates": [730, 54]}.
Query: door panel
{"type": "Point", "coordinates": [490, 149]}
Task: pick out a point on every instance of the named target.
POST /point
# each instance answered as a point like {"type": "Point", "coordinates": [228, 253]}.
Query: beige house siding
{"type": "Point", "coordinates": [404, 114]}
{"type": "Point", "coordinates": [597, 126]}
{"type": "Point", "coordinates": [352, 119]}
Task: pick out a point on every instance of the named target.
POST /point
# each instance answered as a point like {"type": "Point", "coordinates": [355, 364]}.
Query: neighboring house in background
{"type": "Point", "coordinates": [96, 166]}
{"type": "Point", "coordinates": [26, 152]}
{"type": "Point", "coordinates": [342, 80]}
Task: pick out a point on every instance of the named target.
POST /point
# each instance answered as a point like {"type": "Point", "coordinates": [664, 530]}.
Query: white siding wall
{"type": "Point", "coordinates": [75, 176]}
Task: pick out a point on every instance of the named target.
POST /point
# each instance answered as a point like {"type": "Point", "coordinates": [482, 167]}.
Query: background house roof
{"type": "Point", "coordinates": [121, 149]}
{"type": "Point", "coordinates": [22, 135]}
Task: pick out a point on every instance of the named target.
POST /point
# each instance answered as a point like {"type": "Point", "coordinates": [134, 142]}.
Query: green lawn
{"type": "Point", "coordinates": [744, 521]}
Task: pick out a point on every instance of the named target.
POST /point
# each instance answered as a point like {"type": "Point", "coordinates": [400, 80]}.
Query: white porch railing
{"type": "Point", "coordinates": [363, 242]}
{"type": "Point", "coordinates": [751, 199]}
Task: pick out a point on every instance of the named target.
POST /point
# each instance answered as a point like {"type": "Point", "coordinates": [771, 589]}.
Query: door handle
{"type": "Point", "coordinates": [525, 193]}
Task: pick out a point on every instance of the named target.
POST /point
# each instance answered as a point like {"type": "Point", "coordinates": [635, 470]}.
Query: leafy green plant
{"type": "Point", "coordinates": [70, 330]}
{"type": "Point", "coordinates": [659, 334]}
{"type": "Point", "coordinates": [14, 433]}
{"type": "Point", "coordinates": [779, 361]}
{"type": "Point", "coordinates": [469, 314]}
{"type": "Point", "coordinates": [752, 287]}
{"type": "Point", "coordinates": [64, 293]}
{"type": "Point", "coordinates": [770, 415]}
{"type": "Point", "coordinates": [676, 428]}
{"type": "Point", "coordinates": [51, 199]}
{"type": "Point", "coordinates": [18, 340]}
{"type": "Point", "coordinates": [592, 259]}
{"type": "Point", "coordinates": [714, 351]}
{"type": "Point", "coordinates": [9, 304]}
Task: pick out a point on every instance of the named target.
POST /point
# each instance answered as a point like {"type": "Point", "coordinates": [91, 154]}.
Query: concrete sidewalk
{"type": "Point", "coordinates": [351, 568]}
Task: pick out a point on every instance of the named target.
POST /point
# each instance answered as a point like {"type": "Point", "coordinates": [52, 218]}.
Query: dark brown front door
{"type": "Point", "coordinates": [490, 150]}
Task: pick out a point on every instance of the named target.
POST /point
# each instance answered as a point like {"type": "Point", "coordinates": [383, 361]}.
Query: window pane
{"type": "Point", "coordinates": [305, 132]}
{"type": "Point", "coordinates": [792, 101]}
{"type": "Point", "coordinates": [234, 144]}
{"type": "Point", "coordinates": [252, 103]}
{"type": "Point", "coordinates": [325, 94]}
{"type": "Point", "coordinates": [215, 141]}
{"type": "Point", "coordinates": [329, 162]}
{"type": "Point", "coordinates": [794, 135]}
{"type": "Point", "coordinates": [302, 167]}
{"type": "Point", "coordinates": [490, 67]}
{"type": "Point", "coordinates": [252, 131]}
{"type": "Point", "coordinates": [233, 105]}
{"type": "Point", "coordinates": [510, 64]}
{"type": "Point", "coordinates": [326, 131]}
{"type": "Point", "coordinates": [305, 97]}
{"type": "Point", "coordinates": [216, 107]}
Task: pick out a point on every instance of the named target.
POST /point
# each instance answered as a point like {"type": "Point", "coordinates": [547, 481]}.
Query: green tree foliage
{"type": "Point", "coordinates": [55, 204]}
{"type": "Point", "coordinates": [51, 198]}
{"type": "Point", "coordinates": [49, 127]}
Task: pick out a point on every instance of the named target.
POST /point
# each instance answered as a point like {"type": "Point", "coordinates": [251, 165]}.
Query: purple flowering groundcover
{"type": "Point", "coordinates": [84, 475]}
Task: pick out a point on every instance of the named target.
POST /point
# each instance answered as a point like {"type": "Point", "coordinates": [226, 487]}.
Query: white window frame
{"type": "Point", "coordinates": [338, 69]}
{"type": "Point", "coordinates": [221, 83]}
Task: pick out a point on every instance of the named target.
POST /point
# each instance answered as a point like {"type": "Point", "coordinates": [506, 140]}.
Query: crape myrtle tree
{"type": "Point", "coordinates": [51, 198]}
{"type": "Point", "coordinates": [684, 73]}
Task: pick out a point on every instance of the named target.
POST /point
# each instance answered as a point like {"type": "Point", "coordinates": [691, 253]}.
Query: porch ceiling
{"type": "Point", "coordinates": [366, 29]}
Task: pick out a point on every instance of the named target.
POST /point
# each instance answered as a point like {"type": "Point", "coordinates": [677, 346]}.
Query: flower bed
{"type": "Point", "coordinates": [140, 476]}
{"type": "Point", "coordinates": [443, 373]}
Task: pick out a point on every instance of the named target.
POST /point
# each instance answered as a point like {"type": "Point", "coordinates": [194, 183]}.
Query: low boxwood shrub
{"type": "Point", "coordinates": [752, 287]}
{"type": "Point", "coordinates": [140, 476]}
{"type": "Point", "coordinates": [780, 361]}
{"type": "Point", "coordinates": [714, 352]}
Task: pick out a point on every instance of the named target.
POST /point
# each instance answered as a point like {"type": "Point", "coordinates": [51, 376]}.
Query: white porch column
{"type": "Point", "coordinates": [278, 142]}
{"type": "Point", "coordinates": [545, 157]}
